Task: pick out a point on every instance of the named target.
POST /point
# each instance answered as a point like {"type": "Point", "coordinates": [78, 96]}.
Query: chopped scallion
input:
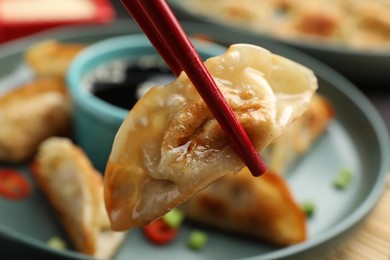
{"type": "Point", "coordinates": [56, 242]}
{"type": "Point", "coordinates": [197, 240]}
{"type": "Point", "coordinates": [174, 218]}
{"type": "Point", "coordinates": [342, 179]}
{"type": "Point", "coordinates": [308, 208]}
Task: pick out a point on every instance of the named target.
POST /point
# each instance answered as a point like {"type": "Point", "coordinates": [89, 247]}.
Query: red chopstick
{"type": "Point", "coordinates": [141, 16]}
{"type": "Point", "coordinates": [160, 25]}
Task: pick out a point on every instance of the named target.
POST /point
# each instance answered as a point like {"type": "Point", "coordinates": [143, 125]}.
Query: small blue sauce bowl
{"type": "Point", "coordinates": [97, 120]}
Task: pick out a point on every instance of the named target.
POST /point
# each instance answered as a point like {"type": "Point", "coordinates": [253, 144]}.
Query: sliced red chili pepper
{"type": "Point", "coordinates": [13, 185]}
{"type": "Point", "coordinates": [158, 232]}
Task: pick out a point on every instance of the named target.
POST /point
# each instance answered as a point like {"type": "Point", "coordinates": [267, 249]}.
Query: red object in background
{"type": "Point", "coordinates": [158, 232]}
{"type": "Point", "coordinates": [13, 185]}
{"type": "Point", "coordinates": [19, 18]}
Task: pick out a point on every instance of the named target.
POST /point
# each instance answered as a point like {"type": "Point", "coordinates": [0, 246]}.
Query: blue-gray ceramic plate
{"type": "Point", "coordinates": [359, 65]}
{"type": "Point", "coordinates": [357, 139]}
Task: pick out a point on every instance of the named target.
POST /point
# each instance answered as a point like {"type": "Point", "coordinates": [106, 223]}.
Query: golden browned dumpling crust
{"type": "Point", "coordinates": [31, 113]}
{"type": "Point", "coordinates": [263, 208]}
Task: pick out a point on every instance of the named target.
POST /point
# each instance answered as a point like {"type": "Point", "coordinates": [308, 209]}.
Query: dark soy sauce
{"type": "Point", "coordinates": [122, 84]}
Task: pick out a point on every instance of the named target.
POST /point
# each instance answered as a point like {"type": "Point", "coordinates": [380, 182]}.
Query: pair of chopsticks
{"type": "Point", "coordinates": [160, 25]}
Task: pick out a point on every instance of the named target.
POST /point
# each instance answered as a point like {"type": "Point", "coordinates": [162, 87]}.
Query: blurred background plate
{"type": "Point", "coordinates": [367, 68]}
{"type": "Point", "coordinates": [357, 139]}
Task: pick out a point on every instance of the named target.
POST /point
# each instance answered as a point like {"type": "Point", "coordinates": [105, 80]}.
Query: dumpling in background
{"type": "Point", "coordinates": [51, 58]}
{"type": "Point", "coordinates": [263, 208]}
{"type": "Point", "coordinates": [31, 113]}
{"type": "Point", "coordinates": [75, 191]}
{"type": "Point", "coordinates": [41, 107]}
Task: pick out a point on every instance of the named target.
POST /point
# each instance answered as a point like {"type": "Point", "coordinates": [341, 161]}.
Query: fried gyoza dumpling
{"type": "Point", "coordinates": [52, 58]}
{"type": "Point", "coordinates": [31, 113]}
{"type": "Point", "coordinates": [75, 191]}
{"type": "Point", "coordinates": [170, 146]}
{"type": "Point", "coordinates": [263, 208]}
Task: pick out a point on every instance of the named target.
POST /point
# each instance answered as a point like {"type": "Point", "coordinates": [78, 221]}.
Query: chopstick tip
{"type": "Point", "coordinates": [257, 166]}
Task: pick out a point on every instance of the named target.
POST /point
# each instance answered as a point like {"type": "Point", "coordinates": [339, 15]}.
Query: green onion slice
{"type": "Point", "coordinates": [343, 179]}
{"type": "Point", "coordinates": [174, 218]}
{"type": "Point", "coordinates": [57, 243]}
{"type": "Point", "coordinates": [197, 240]}
{"type": "Point", "coordinates": [308, 208]}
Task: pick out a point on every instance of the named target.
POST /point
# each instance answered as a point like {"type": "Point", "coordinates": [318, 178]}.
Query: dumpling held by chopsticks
{"type": "Point", "coordinates": [170, 146]}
